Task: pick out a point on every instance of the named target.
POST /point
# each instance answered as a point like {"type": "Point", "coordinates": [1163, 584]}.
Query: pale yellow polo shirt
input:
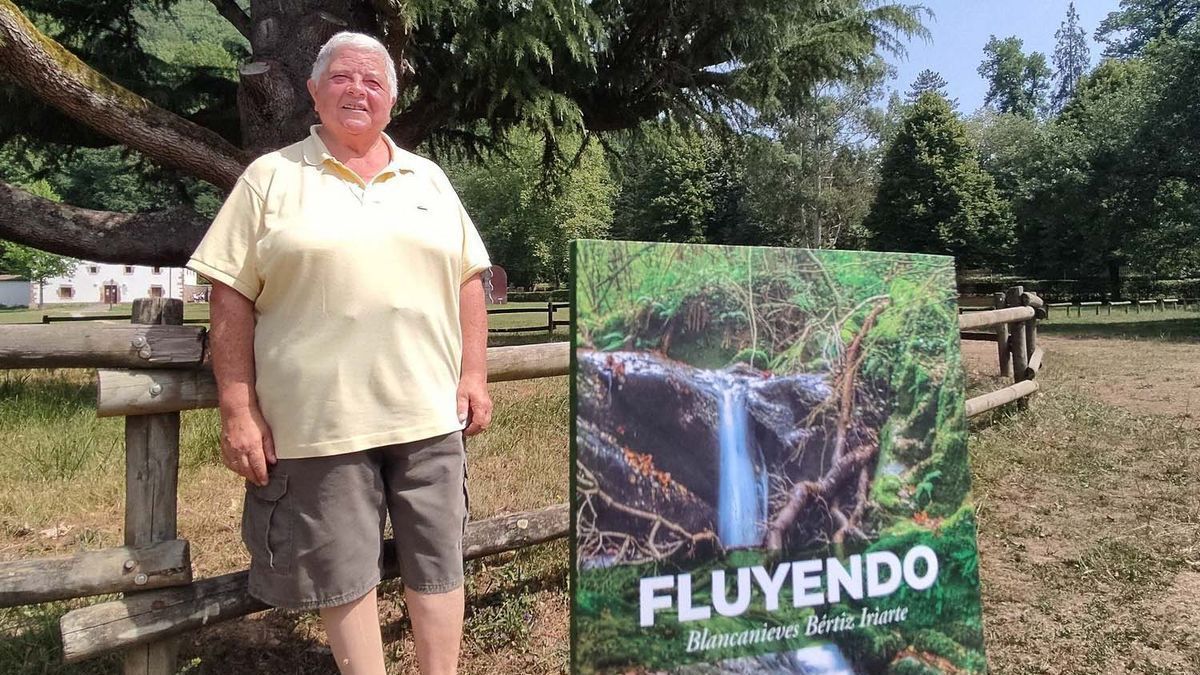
{"type": "Point", "coordinates": [357, 341]}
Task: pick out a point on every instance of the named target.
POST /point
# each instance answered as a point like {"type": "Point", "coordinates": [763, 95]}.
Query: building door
{"type": "Point", "coordinates": [112, 294]}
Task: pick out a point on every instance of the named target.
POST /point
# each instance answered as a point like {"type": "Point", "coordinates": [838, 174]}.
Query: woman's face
{"type": "Point", "coordinates": [352, 96]}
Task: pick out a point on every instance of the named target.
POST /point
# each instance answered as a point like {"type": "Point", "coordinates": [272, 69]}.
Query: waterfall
{"type": "Point", "coordinates": [742, 490]}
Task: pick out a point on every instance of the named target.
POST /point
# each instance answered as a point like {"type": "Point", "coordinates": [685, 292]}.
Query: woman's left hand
{"type": "Point", "coordinates": [474, 405]}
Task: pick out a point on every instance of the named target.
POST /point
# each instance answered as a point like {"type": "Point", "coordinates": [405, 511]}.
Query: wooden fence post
{"type": "Point", "coordinates": [550, 317]}
{"type": "Point", "coordinates": [1030, 338]}
{"type": "Point", "coordinates": [1017, 344]}
{"type": "Point", "coordinates": [1002, 338]}
{"type": "Point", "coordinates": [151, 482]}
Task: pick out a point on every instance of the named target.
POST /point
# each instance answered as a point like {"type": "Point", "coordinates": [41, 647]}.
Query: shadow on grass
{"type": "Point", "coordinates": [30, 643]}
{"type": "Point", "coordinates": [509, 339]}
{"type": "Point", "coordinates": [1168, 330]}
{"type": "Point", "coordinates": [58, 392]}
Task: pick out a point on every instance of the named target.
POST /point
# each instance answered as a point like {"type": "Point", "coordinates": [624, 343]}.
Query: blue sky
{"type": "Point", "coordinates": [961, 28]}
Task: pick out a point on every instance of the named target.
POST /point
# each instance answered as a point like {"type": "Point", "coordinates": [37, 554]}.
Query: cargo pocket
{"type": "Point", "coordinates": [466, 493]}
{"type": "Point", "coordinates": [267, 525]}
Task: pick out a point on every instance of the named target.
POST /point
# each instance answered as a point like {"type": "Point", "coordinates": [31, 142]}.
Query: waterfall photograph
{"type": "Point", "coordinates": [770, 470]}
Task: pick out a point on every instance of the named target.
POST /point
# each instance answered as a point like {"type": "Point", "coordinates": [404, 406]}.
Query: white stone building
{"type": "Point", "coordinates": [111, 284]}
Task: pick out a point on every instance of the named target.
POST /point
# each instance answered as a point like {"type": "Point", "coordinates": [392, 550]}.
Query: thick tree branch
{"type": "Point", "coordinates": [47, 69]}
{"type": "Point", "coordinates": [234, 15]}
{"type": "Point", "coordinates": [157, 238]}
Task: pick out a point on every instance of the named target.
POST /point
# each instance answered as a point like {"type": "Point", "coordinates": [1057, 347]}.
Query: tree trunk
{"type": "Point", "coordinates": [286, 35]}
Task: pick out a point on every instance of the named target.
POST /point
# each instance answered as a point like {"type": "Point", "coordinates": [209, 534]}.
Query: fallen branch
{"type": "Point", "coordinates": [805, 493]}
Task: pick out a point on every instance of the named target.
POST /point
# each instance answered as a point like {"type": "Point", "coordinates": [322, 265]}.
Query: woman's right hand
{"type": "Point", "coordinates": [246, 445]}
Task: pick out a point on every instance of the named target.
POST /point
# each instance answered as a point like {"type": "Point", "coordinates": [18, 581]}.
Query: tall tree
{"type": "Point", "coordinates": [813, 182]}
{"type": "Point", "coordinates": [934, 197]}
{"type": "Point", "coordinates": [666, 189]}
{"type": "Point", "coordinates": [1017, 83]}
{"type": "Point", "coordinates": [1138, 23]}
{"type": "Point", "coordinates": [1072, 59]}
{"type": "Point", "coordinates": [527, 214]}
{"type": "Point", "coordinates": [477, 69]}
{"type": "Point", "coordinates": [928, 80]}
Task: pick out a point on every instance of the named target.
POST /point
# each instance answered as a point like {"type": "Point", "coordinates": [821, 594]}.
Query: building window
{"type": "Point", "coordinates": [66, 292]}
{"type": "Point", "coordinates": [156, 291]}
{"type": "Point", "coordinates": [93, 269]}
{"type": "Point", "coordinates": [156, 270]}
{"type": "Point", "coordinates": [129, 269]}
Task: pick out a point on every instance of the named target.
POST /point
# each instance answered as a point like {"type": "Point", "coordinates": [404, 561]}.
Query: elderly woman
{"type": "Point", "coordinates": [349, 347]}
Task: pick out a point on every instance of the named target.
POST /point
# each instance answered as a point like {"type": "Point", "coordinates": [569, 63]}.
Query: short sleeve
{"type": "Point", "coordinates": [228, 253]}
{"type": "Point", "coordinates": [474, 254]}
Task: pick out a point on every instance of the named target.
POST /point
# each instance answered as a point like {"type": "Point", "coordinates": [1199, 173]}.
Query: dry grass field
{"type": "Point", "coordinates": [1089, 509]}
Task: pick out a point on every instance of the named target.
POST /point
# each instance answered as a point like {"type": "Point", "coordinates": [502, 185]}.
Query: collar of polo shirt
{"type": "Point", "coordinates": [317, 153]}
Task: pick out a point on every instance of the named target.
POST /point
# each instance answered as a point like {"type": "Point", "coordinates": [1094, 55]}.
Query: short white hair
{"type": "Point", "coordinates": [357, 41]}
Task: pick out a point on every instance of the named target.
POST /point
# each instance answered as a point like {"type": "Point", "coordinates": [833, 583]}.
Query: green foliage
{"type": "Point", "coordinates": [550, 65]}
{"type": "Point", "coordinates": [1138, 23]}
{"type": "Point", "coordinates": [954, 599]}
{"type": "Point", "coordinates": [179, 54]}
{"type": "Point", "coordinates": [1017, 83]}
{"type": "Point", "coordinates": [812, 183]}
{"type": "Point", "coordinates": [527, 212]}
{"type": "Point", "coordinates": [666, 194]}
{"type": "Point", "coordinates": [34, 265]}
{"type": "Point", "coordinates": [933, 196]}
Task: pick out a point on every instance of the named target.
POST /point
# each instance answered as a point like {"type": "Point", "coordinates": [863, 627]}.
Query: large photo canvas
{"type": "Point", "coordinates": [769, 463]}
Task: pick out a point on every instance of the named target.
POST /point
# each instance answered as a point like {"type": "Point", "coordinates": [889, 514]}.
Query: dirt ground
{"type": "Point", "coordinates": [1090, 548]}
{"type": "Point", "coordinates": [1152, 378]}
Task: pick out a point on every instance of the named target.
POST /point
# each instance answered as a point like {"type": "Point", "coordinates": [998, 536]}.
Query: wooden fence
{"type": "Point", "coordinates": [1151, 305]}
{"type": "Point", "coordinates": [154, 368]}
{"type": "Point", "coordinates": [548, 311]}
{"type": "Point", "coordinates": [1013, 327]}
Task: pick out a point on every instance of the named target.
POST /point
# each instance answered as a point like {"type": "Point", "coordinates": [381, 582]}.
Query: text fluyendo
{"type": "Point", "coordinates": [813, 582]}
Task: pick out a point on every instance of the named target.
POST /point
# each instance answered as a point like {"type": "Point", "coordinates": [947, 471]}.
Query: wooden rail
{"type": "Point", "coordinates": [100, 346]}
{"type": "Point", "coordinates": [114, 570]}
{"type": "Point", "coordinates": [143, 392]}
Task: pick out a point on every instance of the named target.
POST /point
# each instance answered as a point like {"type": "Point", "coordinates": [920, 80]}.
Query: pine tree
{"type": "Point", "coordinates": [929, 80]}
{"type": "Point", "coordinates": [933, 195]}
{"type": "Point", "coordinates": [1072, 59]}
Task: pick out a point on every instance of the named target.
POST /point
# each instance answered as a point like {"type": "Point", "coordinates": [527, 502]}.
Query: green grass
{"type": "Point", "coordinates": [33, 315]}
{"type": "Point", "coordinates": [1168, 326]}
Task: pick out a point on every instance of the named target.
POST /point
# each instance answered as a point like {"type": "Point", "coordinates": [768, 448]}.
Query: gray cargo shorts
{"type": "Point", "coordinates": [315, 531]}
